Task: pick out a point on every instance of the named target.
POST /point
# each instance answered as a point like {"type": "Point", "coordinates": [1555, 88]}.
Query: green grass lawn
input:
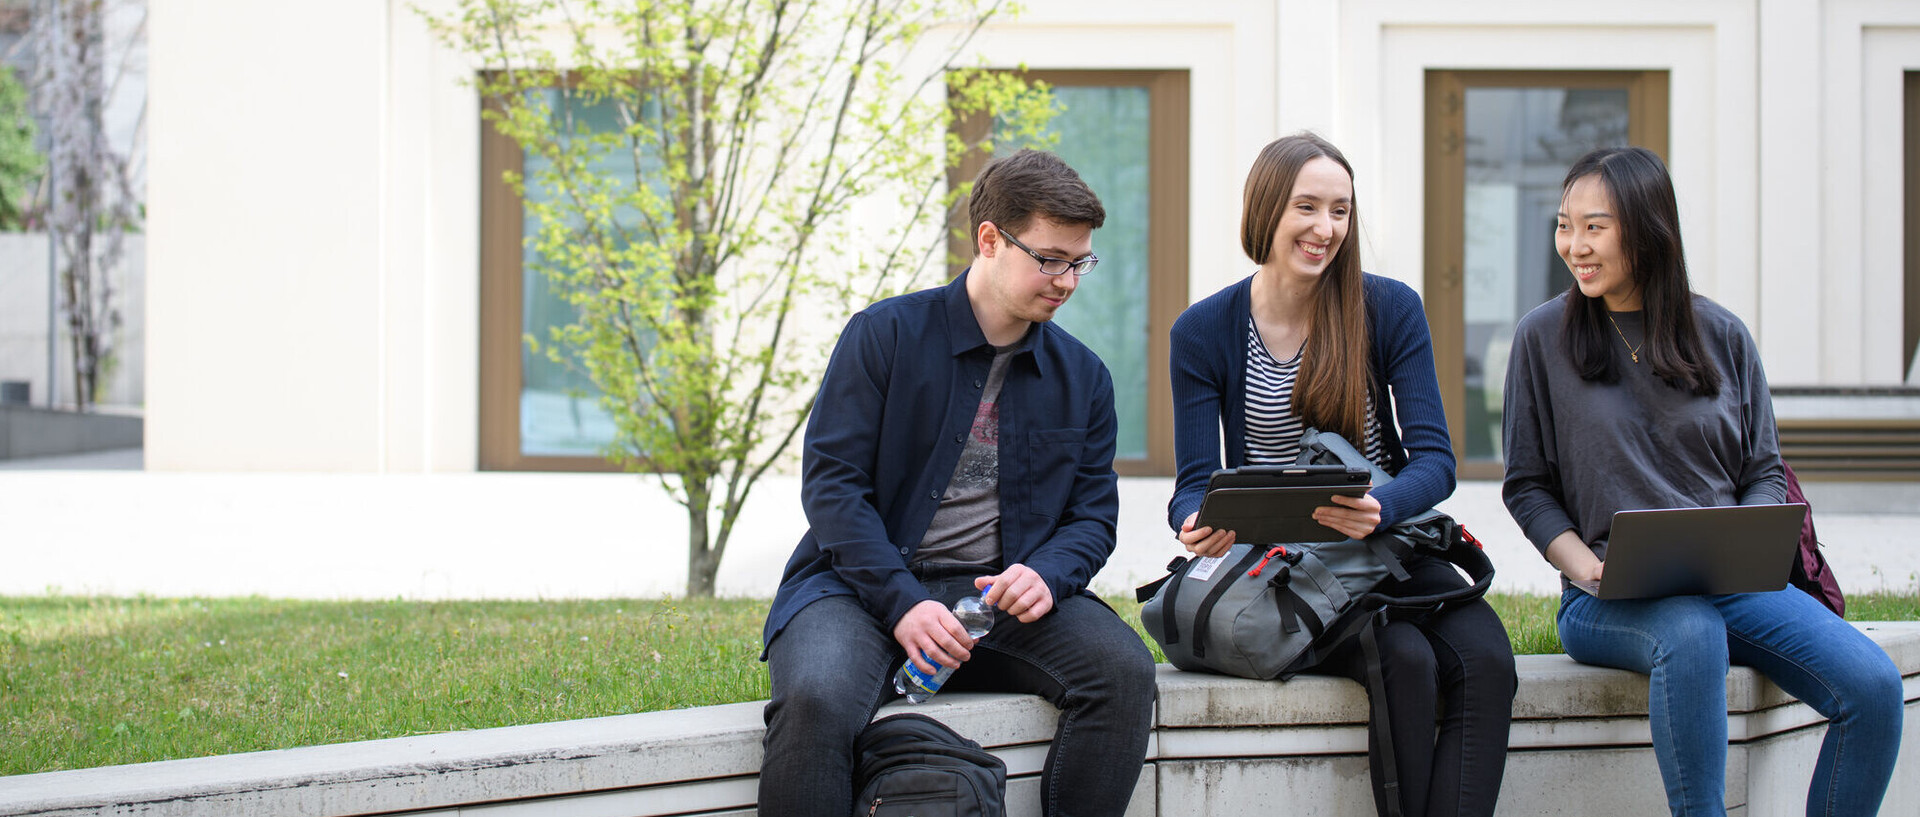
{"type": "Point", "coordinates": [100, 681]}
{"type": "Point", "coordinates": [97, 681]}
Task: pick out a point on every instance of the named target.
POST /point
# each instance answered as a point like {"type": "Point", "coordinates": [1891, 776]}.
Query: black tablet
{"type": "Point", "coordinates": [1273, 504]}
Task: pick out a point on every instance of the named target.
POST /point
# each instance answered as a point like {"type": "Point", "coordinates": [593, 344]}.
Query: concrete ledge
{"type": "Point", "coordinates": [1220, 745]}
{"type": "Point", "coordinates": [36, 432]}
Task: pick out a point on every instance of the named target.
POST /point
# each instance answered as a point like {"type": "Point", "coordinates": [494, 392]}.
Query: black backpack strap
{"type": "Point", "coordinates": [1389, 556]}
{"type": "Point", "coordinates": [1205, 612]}
{"type": "Point", "coordinates": [1283, 602]}
{"type": "Point", "coordinates": [1146, 591]}
{"type": "Point", "coordinates": [1379, 720]}
{"type": "Point", "coordinates": [1295, 612]}
{"type": "Point", "coordinates": [1288, 604]}
{"type": "Point", "coordinates": [1463, 551]}
{"type": "Point", "coordinates": [1169, 624]}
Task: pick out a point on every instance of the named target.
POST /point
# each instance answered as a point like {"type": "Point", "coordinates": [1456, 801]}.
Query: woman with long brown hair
{"type": "Point", "coordinates": [1311, 340]}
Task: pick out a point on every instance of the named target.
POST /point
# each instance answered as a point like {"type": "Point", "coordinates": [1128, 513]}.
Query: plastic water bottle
{"type": "Point", "coordinates": [976, 615]}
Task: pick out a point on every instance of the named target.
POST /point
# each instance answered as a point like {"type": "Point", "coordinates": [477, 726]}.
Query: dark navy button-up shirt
{"type": "Point", "coordinates": [904, 379]}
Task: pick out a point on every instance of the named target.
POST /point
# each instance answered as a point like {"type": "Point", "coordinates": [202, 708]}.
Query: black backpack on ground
{"type": "Point", "coordinates": [910, 764]}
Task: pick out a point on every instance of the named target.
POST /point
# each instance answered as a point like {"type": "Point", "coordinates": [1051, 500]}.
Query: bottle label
{"type": "Point", "coordinates": [930, 683]}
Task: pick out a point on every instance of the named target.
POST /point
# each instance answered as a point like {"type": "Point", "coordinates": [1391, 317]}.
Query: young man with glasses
{"type": "Point", "coordinates": [914, 503]}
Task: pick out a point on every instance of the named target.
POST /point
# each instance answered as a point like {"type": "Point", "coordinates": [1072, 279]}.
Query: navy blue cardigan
{"type": "Point", "coordinates": [1209, 357]}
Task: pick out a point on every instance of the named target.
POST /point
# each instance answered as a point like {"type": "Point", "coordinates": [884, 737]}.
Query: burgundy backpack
{"type": "Point", "coordinates": [1811, 572]}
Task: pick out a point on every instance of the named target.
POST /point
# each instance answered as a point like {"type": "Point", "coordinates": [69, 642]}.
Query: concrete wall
{"type": "Point", "coordinates": [313, 252]}
{"type": "Point", "coordinates": [24, 308]}
{"type": "Point", "coordinates": [309, 312]}
{"type": "Point", "coordinates": [531, 536]}
{"type": "Point", "coordinates": [24, 305]}
{"type": "Point", "coordinates": [350, 271]}
{"type": "Point", "coordinates": [1579, 746]}
{"type": "Point", "coordinates": [34, 432]}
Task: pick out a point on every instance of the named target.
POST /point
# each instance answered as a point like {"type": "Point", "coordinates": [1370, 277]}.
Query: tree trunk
{"type": "Point", "coordinates": [701, 570]}
{"type": "Point", "coordinates": [703, 562]}
{"type": "Point", "coordinates": [702, 566]}
{"type": "Point", "coordinates": [82, 322]}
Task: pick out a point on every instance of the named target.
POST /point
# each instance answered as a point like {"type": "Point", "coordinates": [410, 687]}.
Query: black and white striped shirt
{"type": "Point", "coordinates": [1273, 430]}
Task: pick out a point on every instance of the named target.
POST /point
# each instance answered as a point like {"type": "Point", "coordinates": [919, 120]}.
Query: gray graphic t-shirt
{"type": "Point", "coordinates": [966, 528]}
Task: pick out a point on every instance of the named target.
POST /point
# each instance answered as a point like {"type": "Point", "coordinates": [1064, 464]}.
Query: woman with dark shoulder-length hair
{"type": "Point", "coordinates": [1629, 392]}
{"type": "Point", "coordinates": [1310, 340]}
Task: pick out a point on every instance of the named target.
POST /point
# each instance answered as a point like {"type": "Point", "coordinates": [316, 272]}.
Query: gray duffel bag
{"type": "Point", "coordinates": [1271, 611]}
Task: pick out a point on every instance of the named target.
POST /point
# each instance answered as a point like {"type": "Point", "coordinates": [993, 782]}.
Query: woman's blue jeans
{"type": "Point", "coordinates": [1685, 644]}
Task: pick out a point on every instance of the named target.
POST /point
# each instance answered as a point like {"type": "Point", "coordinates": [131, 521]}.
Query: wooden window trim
{"type": "Point", "coordinates": [501, 275]}
{"type": "Point", "coordinates": [1168, 176]}
{"type": "Point", "coordinates": [1445, 290]}
{"type": "Point", "coordinates": [501, 333]}
{"type": "Point", "coordinates": [1910, 263]}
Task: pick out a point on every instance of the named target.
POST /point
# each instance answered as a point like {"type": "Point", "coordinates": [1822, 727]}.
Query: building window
{"type": "Point", "coordinates": [535, 414]}
{"type": "Point", "coordinates": [1910, 276]}
{"type": "Point", "coordinates": [1498, 145]}
{"type": "Point", "coordinates": [1126, 134]}
{"type": "Point", "coordinates": [1124, 131]}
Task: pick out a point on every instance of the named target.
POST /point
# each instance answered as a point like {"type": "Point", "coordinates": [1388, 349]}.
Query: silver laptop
{"type": "Point", "coordinates": [1692, 551]}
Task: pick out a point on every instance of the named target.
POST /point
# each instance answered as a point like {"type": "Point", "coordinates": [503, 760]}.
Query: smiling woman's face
{"type": "Point", "coordinates": [1316, 220]}
{"type": "Point", "coordinates": [1587, 234]}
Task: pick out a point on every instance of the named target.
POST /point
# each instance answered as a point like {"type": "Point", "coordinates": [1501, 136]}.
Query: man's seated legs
{"type": "Point", "coordinates": [1085, 660]}
{"type": "Point", "coordinates": [830, 669]}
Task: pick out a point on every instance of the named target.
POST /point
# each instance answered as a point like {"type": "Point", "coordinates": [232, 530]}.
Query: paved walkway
{"type": "Point", "coordinates": [97, 523]}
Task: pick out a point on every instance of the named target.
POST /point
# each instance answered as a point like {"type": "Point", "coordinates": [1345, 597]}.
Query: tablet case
{"type": "Point", "coordinates": [1273, 505]}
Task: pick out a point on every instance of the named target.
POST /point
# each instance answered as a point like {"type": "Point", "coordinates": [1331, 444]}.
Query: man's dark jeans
{"type": "Point", "coordinates": [833, 667]}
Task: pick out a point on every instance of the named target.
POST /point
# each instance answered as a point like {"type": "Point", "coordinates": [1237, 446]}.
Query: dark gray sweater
{"type": "Point", "coordinates": [1577, 450]}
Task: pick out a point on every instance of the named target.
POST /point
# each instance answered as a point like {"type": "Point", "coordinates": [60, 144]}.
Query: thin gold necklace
{"type": "Point", "coordinates": [1632, 350]}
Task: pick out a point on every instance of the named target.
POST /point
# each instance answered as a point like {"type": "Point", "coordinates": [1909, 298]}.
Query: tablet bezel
{"type": "Point", "coordinates": [1273, 504]}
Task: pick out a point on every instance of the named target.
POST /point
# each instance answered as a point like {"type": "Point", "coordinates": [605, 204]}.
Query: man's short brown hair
{"type": "Point", "coordinates": [1011, 190]}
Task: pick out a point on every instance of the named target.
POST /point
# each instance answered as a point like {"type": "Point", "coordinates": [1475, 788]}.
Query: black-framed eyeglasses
{"type": "Point", "coordinates": [1056, 266]}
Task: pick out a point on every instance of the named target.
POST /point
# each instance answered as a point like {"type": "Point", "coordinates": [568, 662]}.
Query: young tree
{"type": "Point", "coordinates": [20, 161]}
{"type": "Point", "coordinates": [92, 204]}
{"type": "Point", "coordinates": [782, 162]}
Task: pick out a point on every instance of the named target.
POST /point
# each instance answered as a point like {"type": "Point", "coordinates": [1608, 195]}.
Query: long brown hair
{"type": "Point", "coordinates": [1331, 391]}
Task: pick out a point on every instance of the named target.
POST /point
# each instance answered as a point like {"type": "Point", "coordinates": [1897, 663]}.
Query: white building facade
{"type": "Point", "coordinates": [314, 248]}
